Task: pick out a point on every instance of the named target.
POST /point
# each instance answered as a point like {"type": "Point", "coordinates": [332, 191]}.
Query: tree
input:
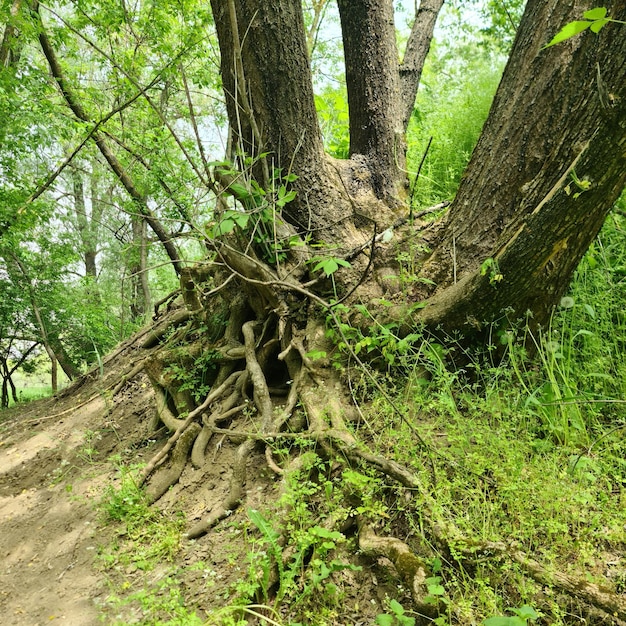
{"type": "Point", "coordinates": [300, 242]}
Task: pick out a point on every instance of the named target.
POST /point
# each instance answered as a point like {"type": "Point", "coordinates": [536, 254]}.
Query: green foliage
{"type": "Point", "coordinates": [595, 20]}
{"type": "Point", "coordinates": [381, 345]}
{"type": "Point", "coordinates": [522, 616]}
{"type": "Point", "coordinates": [452, 104]}
{"type": "Point", "coordinates": [489, 267]}
{"type": "Point", "coordinates": [147, 537]}
{"type": "Point", "coordinates": [299, 548]}
{"type": "Point", "coordinates": [256, 216]}
{"type": "Point", "coordinates": [577, 370]}
{"type": "Point", "coordinates": [198, 376]}
{"type": "Point", "coordinates": [332, 109]}
{"type": "Point", "coordinates": [328, 265]}
{"type": "Point", "coordinates": [397, 617]}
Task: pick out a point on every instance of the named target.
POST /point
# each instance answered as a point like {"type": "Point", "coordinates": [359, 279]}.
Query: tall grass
{"type": "Point", "coordinates": [452, 104]}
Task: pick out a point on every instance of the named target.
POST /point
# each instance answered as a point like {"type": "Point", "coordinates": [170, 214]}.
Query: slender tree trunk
{"type": "Point", "coordinates": [140, 298]}
{"type": "Point", "coordinates": [4, 371]}
{"type": "Point", "coordinates": [84, 224]}
{"type": "Point", "coordinates": [9, 52]}
{"type": "Point", "coordinates": [54, 372]}
{"type": "Point", "coordinates": [373, 82]}
{"type": "Point", "coordinates": [417, 48]}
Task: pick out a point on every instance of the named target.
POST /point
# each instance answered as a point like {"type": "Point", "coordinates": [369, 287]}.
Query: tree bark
{"type": "Point", "coordinates": [417, 48]}
{"type": "Point", "coordinates": [559, 116]}
{"type": "Point", "coordinates": [373, 82]}
{"type": "Point", "coordinates": [271, 109]}
{"type": "Point", "coordinates": [140, 296]}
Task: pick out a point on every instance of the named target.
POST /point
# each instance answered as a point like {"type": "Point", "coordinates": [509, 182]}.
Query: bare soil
{"type": "Point", "coordinates": [58, 456]}
{"type": "Point", "coordinates": [54, 466]}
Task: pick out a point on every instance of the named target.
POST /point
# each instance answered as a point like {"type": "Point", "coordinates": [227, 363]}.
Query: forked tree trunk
{"type": "Point", "coordinates": [519, 224]}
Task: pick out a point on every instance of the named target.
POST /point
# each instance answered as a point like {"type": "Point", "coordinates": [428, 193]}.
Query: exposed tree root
{"type": "Point", "coordinates": [235, 494]}
{"type": "Point", "coordinates": [261, 351]}
{"type": "Point", "coordinates": [167, 477]}
{"type": "Point", "coordinates": [412, 570]}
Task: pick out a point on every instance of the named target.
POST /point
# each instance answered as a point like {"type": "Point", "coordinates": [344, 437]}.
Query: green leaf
{"type": "Point", "coordinates": [526, 612]}
{"type": "Point", "coordinates": [595, 14]}
{"type": "Point", "coordinates": [504, 621]}
{"type": "Point", "coordinates": [328, 266]}
{"type": "Point", "coordinates": [316, 354]}
{"type": "Point", "coordinates": [224, 227]}
{"type": "Point", "coordinates": [241, 219]}
{"type": "Point", "coordinates": [384, 620]}
{"type": "Point", "coordinates": [396, 607]}
{"type": "Point", "coordinates": [598, 25]}
{"type": "Point", "coordinates": [568, 31]}
{"type": "Point", "coordinates": [263, 525]}
{"type": "Point", "coordinates": [239, 191]}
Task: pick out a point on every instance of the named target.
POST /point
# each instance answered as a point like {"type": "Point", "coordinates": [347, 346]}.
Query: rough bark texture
{"type": "Point", "coordinates": [559, 116]}
{"type": "Point", "coordinates": [269, 96]}
{"type": "Point", "coordinates": [417, 48]}
{"type": "Point", "coordinates": [372, 79]}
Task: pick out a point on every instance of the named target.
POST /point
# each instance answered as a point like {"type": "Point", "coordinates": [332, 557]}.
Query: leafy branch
{"type": "Point", "coordinates": [595, 20]}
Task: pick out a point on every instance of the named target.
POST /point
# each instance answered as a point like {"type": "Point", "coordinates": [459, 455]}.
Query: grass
{"type": "Point", "coordinates": [34, 386]}
{"type": "Point", "coordinates": [529, 448]}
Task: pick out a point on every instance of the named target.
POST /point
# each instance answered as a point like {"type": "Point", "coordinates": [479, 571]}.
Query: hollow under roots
{"type": "Point", "coordinates": [264, 387]}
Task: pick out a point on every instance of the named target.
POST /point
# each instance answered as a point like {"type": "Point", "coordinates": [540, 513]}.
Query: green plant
{"type": "Point", "coordinates": [595, 20]}
{"type": "Point", "coordinates": [196, 377]}
{"type": "Point", "coordinates": [256, 215]}
{"type": "Point", "coordinates": [88, 451]}
{"type": "Point", "coordinates": [147, 536]}
{"type": "Point", "coordinates": [489, 267]}
{"type": "Point", "coordinates": [522, 616]}
{"type": "Point", "coordinates": [397, 617]}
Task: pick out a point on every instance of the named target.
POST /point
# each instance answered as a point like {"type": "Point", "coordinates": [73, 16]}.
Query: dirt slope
{"type": "Point", "coordinates": [54, 466]}
{"type": "Point", "coordinates": [57, 458]}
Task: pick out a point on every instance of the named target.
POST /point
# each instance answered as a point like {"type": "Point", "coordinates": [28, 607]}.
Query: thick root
{"type": "Point", "coordinates": [166, 478]}
{"type": "Point", "coordinates": [235, 495]}
{"type": "Point", "coordinates": [411, 568]}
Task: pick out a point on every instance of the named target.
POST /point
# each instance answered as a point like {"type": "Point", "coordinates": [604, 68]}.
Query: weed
{"type": "Point", "coordinates": [397, 616]}
{"type": "Point", "coordinates": [147, 537]}
{"type": "Point", "coordinates": [521, 617]}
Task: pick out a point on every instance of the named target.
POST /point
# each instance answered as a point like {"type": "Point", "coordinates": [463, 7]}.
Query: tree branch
{"type": "Point", "coordinates": [417, 48]}
{"type": "Point", "coordinates": [100, 141]}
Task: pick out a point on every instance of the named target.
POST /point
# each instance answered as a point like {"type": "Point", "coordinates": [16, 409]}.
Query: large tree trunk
{"type": "Point", "coordinates": [559, 116]}
{"type": "Point", "coordinates": [271, 109]}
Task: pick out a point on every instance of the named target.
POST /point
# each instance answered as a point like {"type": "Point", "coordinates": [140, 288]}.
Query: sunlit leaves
{"type": "Point", "coordinates": [595, 20]}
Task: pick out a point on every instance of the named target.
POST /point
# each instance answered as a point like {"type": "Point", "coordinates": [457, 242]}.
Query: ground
{"type": "Point", "coordinates": [58, 456]}
{"type": "Point", "coordinates": [532, 522]}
